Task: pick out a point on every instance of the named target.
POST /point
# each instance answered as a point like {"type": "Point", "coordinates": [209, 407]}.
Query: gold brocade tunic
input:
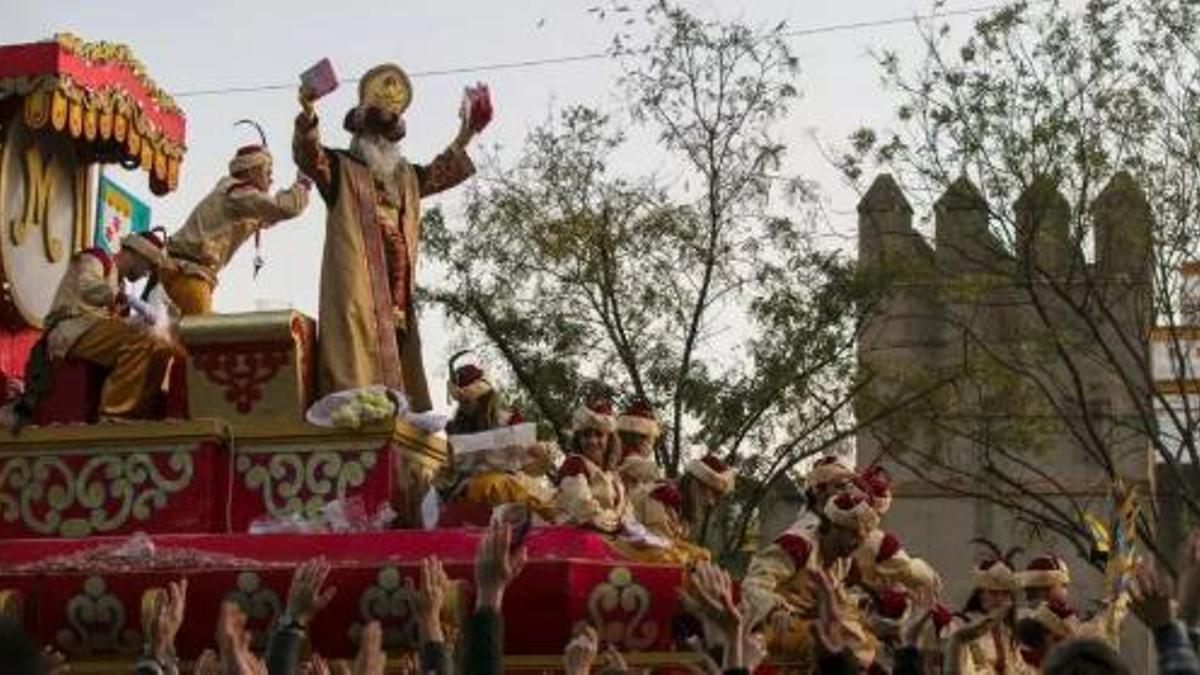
{"type": "Point", "coordinates": [86, 294]}
{"type": "Point", "coordinates": [590, 495]}
{"type": "Point", "coordinates": [224, 220]}
{"type": "Point", "coordinates": [778, 578]}
{"type": "Point", "coordinates": [997, 652]}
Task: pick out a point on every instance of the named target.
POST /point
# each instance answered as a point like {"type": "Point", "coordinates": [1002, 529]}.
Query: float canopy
{"type": "Point", "coordinates": [98, 94]}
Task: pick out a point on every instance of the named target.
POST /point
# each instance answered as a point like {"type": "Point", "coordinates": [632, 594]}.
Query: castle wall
{"type": "Point", "coordinates": [1007, 340]}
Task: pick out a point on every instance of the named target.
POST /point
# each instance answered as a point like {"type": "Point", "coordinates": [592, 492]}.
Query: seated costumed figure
{"type": "Point", "coordinates": [639, 431]}
{"type": "Point", "coordinates": [1045, 582]}
{"type": "Point", "coordinates": [589, 492]}
{"type": "Point", "coordinates": [996, 650]}
{"type": "Point", "coordinates": [496, 475]}
{"type": "Point", "coordinates": [778, 590]}
{"type": "Point", "coordinates": [89, 320]}
{"type": "Point", "coordinates": [676, 511]}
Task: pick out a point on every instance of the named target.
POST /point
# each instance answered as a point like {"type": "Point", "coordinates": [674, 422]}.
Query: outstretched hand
{"type": "Point", "coordinates": [371, 660]}
{"type": "Point", "coordinates": [233, 643]}
{"type": "Point", "coordinates": [306, 596]}
{"type": "Point", "coordinates": [828, 627]}
{"type": "Point", "coordinates": [496, 566]}
{"type": "Point", "coordinates": [431, 597]}
{"type": "Point", "coordinates": [168, 619]}
{"type": "Point", "coordinates": [1189, 581]}
{"type": "Point", "coordinates": [714, 592]}
{"type": "Point", "coordinates": [1151, 597]}
{"type": "Point", "coordinates": [581, 651]}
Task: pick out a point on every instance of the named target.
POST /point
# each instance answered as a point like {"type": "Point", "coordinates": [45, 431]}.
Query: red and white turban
{"type": "Point", "coordinates": [714, 473]}
{"type": "Point", "coordinates": [1045, 571]}
{"type": "Point", "coordinates": [826, 470]}
{"type": "Point", "coordinates": [249, 157]}
{"type": "Point", "coordinates": [639, 418]}
{"type": "Point", "coordinates": [596, 414]}
{"type": "Point", "coordinates": [877, 484]}
{"type": "Point", "coordinates": [994, 574]}
{"type": "Point", "coordinates": [851, 510]}
{"type": "Point", "coordinates": [150, 245]}
{"type": "Point", "coordinates": [468, 383]}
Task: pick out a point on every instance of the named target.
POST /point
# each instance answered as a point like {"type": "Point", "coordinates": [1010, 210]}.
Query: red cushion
{"type": "Point", "coordinates": [74, 395]}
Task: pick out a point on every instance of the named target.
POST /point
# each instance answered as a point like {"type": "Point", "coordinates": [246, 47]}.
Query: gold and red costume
{"type": "Point", "coordinates": [1047, 571]}
{"type": "Point", "coordinates": [590, 495]}
{"type": "Point", "coordinates": [84, 323]}
{"type": "Point", "coordinates": [369, 333]}
{"type": "Point", "coordinates": [996, 652]}
{"type": "Point", "coordinates": [639, 430]}
{"type": "Point", "coordinates": [779, 579]}
{"type": "Point", "coordinates": [505, 477]}
{"type": "Point", "coordinates": [229, 215]}
{"type": "Point", "coordinates": [881, 563]}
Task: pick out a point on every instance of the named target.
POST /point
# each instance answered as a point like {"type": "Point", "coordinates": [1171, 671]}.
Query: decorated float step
{"type": "Point", "coordinates": [201, 476]}
{"type": "Point", "coordinates": [84, 597]}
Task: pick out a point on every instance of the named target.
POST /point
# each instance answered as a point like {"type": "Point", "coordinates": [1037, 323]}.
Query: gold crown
{"type": "Point", "coordinates": [385, 87]}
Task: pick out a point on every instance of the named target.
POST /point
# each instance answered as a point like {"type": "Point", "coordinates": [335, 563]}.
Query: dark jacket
{"type": "Point", "coordinates": [483, 644]}
{"type": "Point", "coordinates": [1176, 655]}
{"type": "Point", "coordinates": [283, 650]}
{"type": "Point", "coordinates": [434, 659]}
{"type": "Point", "coordinates": [907, 661]}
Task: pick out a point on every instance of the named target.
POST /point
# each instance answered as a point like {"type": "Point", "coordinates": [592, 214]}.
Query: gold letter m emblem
{"type": "Point", "coordinates": [39, 188]}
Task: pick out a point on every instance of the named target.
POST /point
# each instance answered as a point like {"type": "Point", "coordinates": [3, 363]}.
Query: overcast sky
{"type": "Point", "coordinates": [218, 44]}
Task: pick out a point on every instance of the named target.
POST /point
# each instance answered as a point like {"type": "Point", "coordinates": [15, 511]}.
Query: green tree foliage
{"type": "Point", "coordinates": [699, 290]}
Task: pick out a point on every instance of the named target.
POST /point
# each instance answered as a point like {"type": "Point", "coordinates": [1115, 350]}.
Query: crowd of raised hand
{"type": "Point", "coordinates": [721, 637]}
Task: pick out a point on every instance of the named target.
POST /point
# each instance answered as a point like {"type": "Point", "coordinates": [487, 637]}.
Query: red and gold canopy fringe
{"type": "Point", "coordinates": [99, 94]}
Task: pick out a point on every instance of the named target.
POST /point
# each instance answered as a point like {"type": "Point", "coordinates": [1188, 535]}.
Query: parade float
{"type": "Point", "coordinates": [93, 516]}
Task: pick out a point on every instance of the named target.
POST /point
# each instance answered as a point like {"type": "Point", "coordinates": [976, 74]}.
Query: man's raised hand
{"type": "Point", "coordinates": [306, 596]}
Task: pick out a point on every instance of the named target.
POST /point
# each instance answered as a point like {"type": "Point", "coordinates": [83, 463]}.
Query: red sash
{"type": "Point", "coordinates": [381, 293]}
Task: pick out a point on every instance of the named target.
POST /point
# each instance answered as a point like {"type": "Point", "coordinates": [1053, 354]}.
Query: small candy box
{"type": "Point", "coordinates": [478, 104]}
{"type": "Point", "coordinates": [320, 79]}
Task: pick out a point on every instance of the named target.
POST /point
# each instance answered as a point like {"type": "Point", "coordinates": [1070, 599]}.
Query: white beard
{"type": "Point", "coordinates": [382, 157]}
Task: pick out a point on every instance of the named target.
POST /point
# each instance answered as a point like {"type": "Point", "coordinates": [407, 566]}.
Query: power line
{"type": "Point", "coordinates": [595, 56]}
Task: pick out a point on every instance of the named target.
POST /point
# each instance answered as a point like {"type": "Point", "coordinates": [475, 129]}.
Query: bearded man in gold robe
{"type": "Point", "coordinates": [368, 331]}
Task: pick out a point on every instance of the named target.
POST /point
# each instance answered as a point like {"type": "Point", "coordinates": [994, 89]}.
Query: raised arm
{"type": "Point", "coordinates": [270, 209]}
{"type": "Point", "coordinates": [307, 152]}
{"type": "Point", "coordinates": [448, 169]}
{"type": "Point", "coordinates": [454, 166]}
{"type": "Point", "coordinates": [769, 568]}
